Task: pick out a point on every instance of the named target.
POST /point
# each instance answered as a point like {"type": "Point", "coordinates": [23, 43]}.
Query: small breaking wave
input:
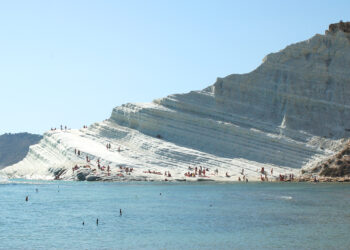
{"type": "Point", "coordinates": [286, 197]}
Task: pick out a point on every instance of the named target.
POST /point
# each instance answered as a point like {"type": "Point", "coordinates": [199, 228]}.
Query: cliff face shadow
{"type": "Point", "coordinates": [14, 147]}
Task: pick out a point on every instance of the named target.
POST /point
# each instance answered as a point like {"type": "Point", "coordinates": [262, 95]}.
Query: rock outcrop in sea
{"type": "Point", "coordinates": [288, 114]}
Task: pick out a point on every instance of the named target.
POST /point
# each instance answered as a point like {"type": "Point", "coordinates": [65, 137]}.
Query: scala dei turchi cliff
{"type": "Point", "coordinates": [287, 115]}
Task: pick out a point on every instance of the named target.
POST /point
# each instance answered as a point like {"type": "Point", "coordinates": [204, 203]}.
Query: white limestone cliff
{"type": "Point", "coordinates": [289, 113]}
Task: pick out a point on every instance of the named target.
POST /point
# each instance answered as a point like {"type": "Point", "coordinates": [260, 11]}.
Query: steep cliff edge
{"type": "Point", "coordinates": [290, 113]}
{"type": "Point", "coordinates": [304, 87]}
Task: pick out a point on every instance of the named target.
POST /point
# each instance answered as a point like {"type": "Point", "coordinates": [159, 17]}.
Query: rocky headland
{"type": "Point", "coordinates": [282, 119]}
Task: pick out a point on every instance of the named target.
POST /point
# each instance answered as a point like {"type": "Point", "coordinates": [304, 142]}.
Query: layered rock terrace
{"type": "Point", "coordinates": [290, 113]}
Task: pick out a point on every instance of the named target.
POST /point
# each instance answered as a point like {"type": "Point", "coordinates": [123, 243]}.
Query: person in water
{"type": "Point", "coordinates": [27, 198]}
{"type": "Point", "coordinates": [97, 222]}
{"type": "Point", "coordinates": [83, 223]}
{"type": "Point", "coordinates": [120, 212]}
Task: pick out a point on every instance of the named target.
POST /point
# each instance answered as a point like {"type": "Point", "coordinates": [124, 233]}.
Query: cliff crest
{"type": "Point", "coordinates": [341, 26]}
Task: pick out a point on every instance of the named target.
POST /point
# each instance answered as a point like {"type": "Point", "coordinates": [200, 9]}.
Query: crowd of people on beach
{"type": "Point", "coordinates": [200, 172]}
{"type": "Point", "coordinates": [244, 178]}
{"type": "Point", "coordinates": [152, 172]}
{"type": "Point", "coordinates": [127, 170]}
{"type": "Point", "coordinates": [286, 177]}
{"type": "Point", "coordinates": [264, 176]}
{"type": "Point", "coordinates": [166, 173]}
{"type": "Point", "coordinates": [102, 168]}
{"type": "Point", "coordinates": [192, 171]}
{"type": "Point", "coordinates": [203, 172]}
{"type": "Point", "coordinates": [77, 152]}
{"type": "Point", "coordinates": [281, 177]}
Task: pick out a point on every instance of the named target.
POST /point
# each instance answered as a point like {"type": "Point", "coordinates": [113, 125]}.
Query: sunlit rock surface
{"type": "Point", "coordinates": [290, 113]}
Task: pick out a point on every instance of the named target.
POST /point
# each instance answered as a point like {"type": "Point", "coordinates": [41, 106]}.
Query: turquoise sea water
{"type": "Point", "coordinates": [184, 216]}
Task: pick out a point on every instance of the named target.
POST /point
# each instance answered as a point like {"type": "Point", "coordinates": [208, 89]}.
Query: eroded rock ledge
{"type": "Point", "coordinates": [341, 26]}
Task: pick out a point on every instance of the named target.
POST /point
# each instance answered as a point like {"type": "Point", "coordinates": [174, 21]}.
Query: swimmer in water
{"type": "Point", "coordinates": [97, 222]}
{"type": "Point", "coordinates": [27, 198]}
{"type": "Point", "coordinates": [120, 212]}
{"type": "Point", "coordinates": [83, 223]}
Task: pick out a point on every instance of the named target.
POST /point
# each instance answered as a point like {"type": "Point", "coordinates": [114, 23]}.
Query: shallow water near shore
{"type": "Point", "coordinates": [185, 215]}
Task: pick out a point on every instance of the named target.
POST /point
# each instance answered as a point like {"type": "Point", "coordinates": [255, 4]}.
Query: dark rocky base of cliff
{"type": "Point", "coordinates": [336, 167]}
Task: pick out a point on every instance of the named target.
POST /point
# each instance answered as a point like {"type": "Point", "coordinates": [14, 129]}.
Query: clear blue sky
{"type": "Point", "coordinates": [71, 62]}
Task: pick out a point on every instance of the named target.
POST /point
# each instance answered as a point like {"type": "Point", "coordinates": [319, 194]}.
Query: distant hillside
{"type": "Point", "coordinates": [14, 147]}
